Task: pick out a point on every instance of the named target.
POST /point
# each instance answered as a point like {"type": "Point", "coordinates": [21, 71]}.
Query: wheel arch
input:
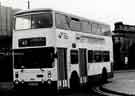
{"type": "Point", "coordinates": [74, 73]}
{"type": "Point", "coordinates": [74, 80]}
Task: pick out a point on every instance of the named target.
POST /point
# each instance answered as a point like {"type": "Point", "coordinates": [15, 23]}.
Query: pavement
{"type": "Point", "coordinates": [123, 83]}
{"type": "Point", "coordinates": [121, 86]}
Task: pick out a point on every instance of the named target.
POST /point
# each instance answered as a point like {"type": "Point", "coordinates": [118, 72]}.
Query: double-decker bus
{"type": "Point", "coordinates": [59, 50]}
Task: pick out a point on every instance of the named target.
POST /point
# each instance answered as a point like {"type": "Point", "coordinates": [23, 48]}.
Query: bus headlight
{"type": "Point", "coordinates": [49, 81]}
{"type": "Point", "coordinates": [22, 81]}
{"type": "Point", "coordinates": [49, 74]}
{"type": "Point", "coordinates": [16, 75]}
{"type": "Point", "coordinates": [42, 81]}
{"type": "Point", "coordinates": [16, 82]}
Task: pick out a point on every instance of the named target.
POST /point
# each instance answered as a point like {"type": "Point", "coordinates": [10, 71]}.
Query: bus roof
{"type": "Point", "coordinates": [82, 18]}
{"type": "Point", "coordinates": [33, 10]}
{"type": "Point", "coordinates": [68, 14]}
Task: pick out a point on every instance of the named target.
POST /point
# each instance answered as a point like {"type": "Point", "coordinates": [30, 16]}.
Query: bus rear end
{"type": "Point", "coordinates": [34, 49]}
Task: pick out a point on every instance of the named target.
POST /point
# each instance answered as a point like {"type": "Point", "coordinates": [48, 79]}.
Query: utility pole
{"type": "Point", "coordinates": [0, 19]}
{"type": "Point", "coordinates": [28, 4]}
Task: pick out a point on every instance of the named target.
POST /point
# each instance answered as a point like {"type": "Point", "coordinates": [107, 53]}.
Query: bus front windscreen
{"type": "Point", "coordinates": [34, 58]}
{"type": "Point", "coordinates": [33, 21]}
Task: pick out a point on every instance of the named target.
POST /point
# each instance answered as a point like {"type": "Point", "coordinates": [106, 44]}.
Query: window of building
{"type": "Point", "coordinates": [74, 56]}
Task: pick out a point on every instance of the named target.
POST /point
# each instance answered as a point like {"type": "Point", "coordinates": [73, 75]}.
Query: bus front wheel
{"type": "Point", "coordinates": [74, 82]}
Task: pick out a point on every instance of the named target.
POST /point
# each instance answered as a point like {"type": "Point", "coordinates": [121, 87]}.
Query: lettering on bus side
{"type": "Point", "coordinates": [63, 35]}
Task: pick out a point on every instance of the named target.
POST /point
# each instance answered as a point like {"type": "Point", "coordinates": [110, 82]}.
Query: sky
{"type": "Point", "coordinates": [106, 11]}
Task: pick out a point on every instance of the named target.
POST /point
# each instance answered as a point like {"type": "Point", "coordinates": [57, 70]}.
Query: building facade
{"type": "Point", "coordinates": [6, 25]}
{"type": "Point", "coordinates": [124, 46]}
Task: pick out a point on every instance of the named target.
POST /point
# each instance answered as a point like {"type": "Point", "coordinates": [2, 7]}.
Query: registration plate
{"type": "Point", "coordinates": [33, 84]}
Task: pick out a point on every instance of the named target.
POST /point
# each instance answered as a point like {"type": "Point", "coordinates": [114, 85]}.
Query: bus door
{"type": "Point", "coordinates": [62, 67]}
{"type": "Point", "coordinates": [83, 65]}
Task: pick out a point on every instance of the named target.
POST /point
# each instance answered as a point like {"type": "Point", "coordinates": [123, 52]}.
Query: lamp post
{"type": "Point", "coordinates": [28, 4]}
{"type": "Point", "coordinates": [0, 19]}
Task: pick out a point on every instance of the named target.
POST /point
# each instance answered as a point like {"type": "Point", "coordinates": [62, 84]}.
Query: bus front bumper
{"type": "Point", "coordinates": [46, 84]}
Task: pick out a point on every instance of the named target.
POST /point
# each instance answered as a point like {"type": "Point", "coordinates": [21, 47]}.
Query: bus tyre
{"type": "Point", "coordinates": [74, 82]}
{"type": "Point", "coordinates": [104, 76]}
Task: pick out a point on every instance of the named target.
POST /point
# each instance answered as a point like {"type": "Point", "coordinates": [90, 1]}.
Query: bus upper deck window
{"type": "Point", "coordinates": [22, 22]}
{"type": "Point", "coordinates": [33, 21]}
{"type": "Point", "coordinates": [41, 21]}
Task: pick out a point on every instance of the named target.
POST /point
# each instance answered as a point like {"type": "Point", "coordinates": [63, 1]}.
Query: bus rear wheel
{"type": "Point", "coordinates": [104, 76]}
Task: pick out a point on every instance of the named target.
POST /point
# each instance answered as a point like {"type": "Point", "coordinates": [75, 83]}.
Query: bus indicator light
{"type": "Point", "coordinates": [16, 75]}
{"type": "Point", "coordinates": [49, 74]}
